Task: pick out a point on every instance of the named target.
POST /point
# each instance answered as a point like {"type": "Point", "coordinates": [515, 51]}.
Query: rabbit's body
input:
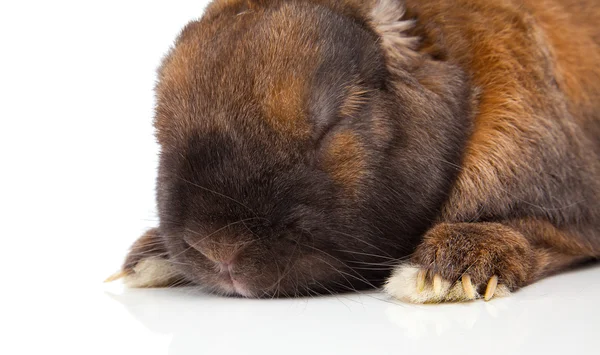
{"type": "Point", "coordinates": [536, 135]}
{"type": "Point", "coordinates": [531, 170]}
{"type": "Point", "coordinates": [313, 145]}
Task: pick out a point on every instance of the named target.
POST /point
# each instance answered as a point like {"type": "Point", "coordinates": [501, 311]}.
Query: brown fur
{"type": "Point", "coordinates": [478, 249]}
{"type": "Point", "coordinates": [148, 245]}
{"type": "Point", "coordinates": [344, 160]}
{"type": "Point", "coordinates": [534, 150]}
{"type": "Point", "coordinates": [467, 131]}
{"type": "Point", "coordinates": [356, 98]}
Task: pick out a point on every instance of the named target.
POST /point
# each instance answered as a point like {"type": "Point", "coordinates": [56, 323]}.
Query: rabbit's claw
{"type": "Point", "coordinates": [416, 285]}
{"type": "Point", "coordinates": [148, 273]}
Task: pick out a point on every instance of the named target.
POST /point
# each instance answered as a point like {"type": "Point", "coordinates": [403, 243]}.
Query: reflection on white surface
{"type": "Point", "coordinates": [556, 316]}
{"type": "Point", "coordinates": [559, 315]}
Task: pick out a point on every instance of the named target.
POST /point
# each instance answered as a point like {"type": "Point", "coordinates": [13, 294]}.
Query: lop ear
{"type": "Point", "coordinates": [147, 264]}
{"type": "Point", "coordinates": [447, 81]}
{"type": "Point", "coordinates": [399, 48]}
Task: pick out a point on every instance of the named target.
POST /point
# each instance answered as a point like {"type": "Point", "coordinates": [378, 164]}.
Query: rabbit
{"type": "Point", "coordinates": [443, 150]}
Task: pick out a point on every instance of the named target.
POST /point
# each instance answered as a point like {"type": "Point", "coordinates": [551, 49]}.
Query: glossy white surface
{"type": "Point", "coordinates": [556, 316]}
{"type": "Point", "coordinates": [78, 163]}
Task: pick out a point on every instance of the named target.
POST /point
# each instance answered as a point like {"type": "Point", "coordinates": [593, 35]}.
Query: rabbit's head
{"type": "Point", "coordinates": [305, 145]}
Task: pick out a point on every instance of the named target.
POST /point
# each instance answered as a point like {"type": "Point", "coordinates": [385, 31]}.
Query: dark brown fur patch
{"type": "Point", "coordinates": [356, 98]}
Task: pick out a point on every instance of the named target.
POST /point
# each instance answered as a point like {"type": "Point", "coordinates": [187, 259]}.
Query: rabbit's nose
{"type": "Point", "coordinates": [219, 251]}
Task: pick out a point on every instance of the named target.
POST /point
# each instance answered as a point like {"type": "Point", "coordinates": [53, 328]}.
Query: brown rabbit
{"type": "Point", "coordinates": [445, 149]}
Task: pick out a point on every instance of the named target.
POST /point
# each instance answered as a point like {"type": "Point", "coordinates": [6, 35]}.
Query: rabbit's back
{"type": "Point", "coordinates": [535, 149]}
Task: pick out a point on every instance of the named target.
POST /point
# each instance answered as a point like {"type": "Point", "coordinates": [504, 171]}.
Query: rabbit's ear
{"type": "Point", "coordinates": [387, 20]}
{"type": "Point", "coordinates": [147, 264]}
{"type": "Point", "coordinates": [403, 58]}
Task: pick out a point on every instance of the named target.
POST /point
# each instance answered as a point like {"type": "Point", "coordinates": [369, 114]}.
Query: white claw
{"type": "Point", "coordinates": [116, 276]}
{"type": "Point", "coordinates": [491, 288]}
{"type": "Point", "coordinates": [468, 287]}
{"type": "Point", "coordinates": [437, 284]}
{"type": "Point", "coordinates": [421, 280]}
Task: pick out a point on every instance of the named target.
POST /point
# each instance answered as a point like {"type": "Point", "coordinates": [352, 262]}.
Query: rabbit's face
{"type": "Point", "coordinates": [290, 162]}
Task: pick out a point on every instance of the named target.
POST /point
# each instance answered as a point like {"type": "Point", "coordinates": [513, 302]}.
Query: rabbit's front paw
{"type": "Point", "coordinates": [148, 265]}
{"type": "Point", "coordinates": [462, 262]}
{"type": "Point", "coordinates": [416, 285]}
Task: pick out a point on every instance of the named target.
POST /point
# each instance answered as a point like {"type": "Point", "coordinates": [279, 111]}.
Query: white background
{"type": "Point", "coordinates": [78, 163]}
